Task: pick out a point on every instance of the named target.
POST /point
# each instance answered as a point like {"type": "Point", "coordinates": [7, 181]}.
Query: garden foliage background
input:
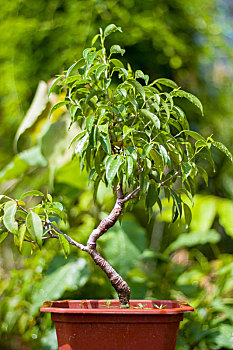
{"type": "Point", "coordinates": [191, 43]}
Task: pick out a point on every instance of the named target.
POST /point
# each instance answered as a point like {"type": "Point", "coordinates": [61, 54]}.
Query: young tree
{"type": "Point", "coordinates": [133, 137]}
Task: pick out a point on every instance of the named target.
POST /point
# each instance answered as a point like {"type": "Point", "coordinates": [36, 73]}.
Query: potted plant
{"type": "Point", "coordinates": [136, 140]}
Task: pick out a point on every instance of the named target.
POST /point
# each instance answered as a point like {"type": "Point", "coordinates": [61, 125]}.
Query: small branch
{"type": "Point", "coordinates": [22, 208]}
{"type": "Point", "coordinates": [131, 195]}
{"type": "Point", "coordinates": [170, 178]}
{"type": "Point", "coordinates": [43, 238]}
{"type": "Point", "coordinates": [69, 239]}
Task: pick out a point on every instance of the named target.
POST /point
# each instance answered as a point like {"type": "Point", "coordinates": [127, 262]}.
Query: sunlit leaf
{"type": "Point", "coordinates": [9, 217]}
{"type": "Point", "coordinates": [112, 168]}
{"type": "Point", "coordinates": [100, 70]}
{"type": "Point", "coordinates": [35, 227]}
{"type": "Point", "coordinates": [58, 105]}
{"type": "Point", "coordinates": [152, 117]}
{"type": "Point", "coordinates": [53, 85]}
{"type": "Point", "coordinates": [117, 49]}
{"type": "Point", "coordinates": [32, 193]}
{"type": "Point", "coordinates": [186, 170]}
{"type": "Point", "coordinates": [111, 28]}
{"type": "Point", "coordinates": [21, 235]}
{"type": "Point", "coordinates": [223, 148]}
{"type": "Point", "coordinates": [166, 82]}
{"type": "Point", "coordinates": [188, 96]}
{"type": "Point", "coordinates": [138, 87]}
{"type": "Point", "coordinates": [75, 66]}
{"type": "Point", "coordinates": [65, 245]}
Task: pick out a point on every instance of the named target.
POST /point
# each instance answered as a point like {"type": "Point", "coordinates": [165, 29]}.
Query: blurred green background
{"type": "Point", "coordinates": [190, 42]}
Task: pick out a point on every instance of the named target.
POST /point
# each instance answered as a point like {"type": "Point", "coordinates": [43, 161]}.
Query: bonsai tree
{"type": "Point", "coordinates": [133, 138]}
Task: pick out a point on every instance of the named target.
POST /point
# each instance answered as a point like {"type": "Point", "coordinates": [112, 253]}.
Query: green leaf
{"type": "Point", "coordinates": [100, 70]}
{"type": "Point", "coordinates": [122, 72]}
{"type": "Point", "coordinates": [152, 117]}
{"type": "Point", "coordinates": [152, 196]}
{"type": "Point", "coordinates": [117, 49]}
{"type": "Point", "coordinates": [193, 99]}
{"type": "Point", "coordinates": [132, 152]}
{"type": "Point", "coordinates": [194, 135]}
{"type": "Point", "coordinates": [180, 115]}
{"type": "Point", "coordinates": [96, 185]}
{"type": "Point", "coordinates": [147, 150]}
{"type": "Point", "coordinates": [112, 168]}
{"type": "Point", "coordinates": [144, 183]}
{"type": "Point", "coordinates": [158, 159]}
{"type": "Point", "coordinates": [9, 217]}
{"type": "Point", "coordinates": [35, 227]}
{"type": "Point", "coordinates": [89, 123]}
{"type": "Point", "coordinates": [65, 245]}
{"type": "Point", "coordinates": [129, 166]}
{"type": "Point", "coordinates": [111, 28]}
{"type": "Point", "coordinates": [81, 143]}
{"type": "Point", "coordinates": [105, 142]}
{"type": "Point", "coordinates": [141, 75]}
{"type": "Point", "coordinates": [3, 236]}
{"type": "Point", "coordinates": [164, 154]}
{"type": "Point", "coordinates": [177, 203]}
{"type": "Point", "coordinates": [53, 85]}
{"type": "Point", "coordinates": [75, 66]}
{"type": "Point", "coordinates": [31, 193]}
{"type": "Point", "coordinates": [187, 214]}
{"type": "Point", "coordinates": [90, 58]}
{"type": "Point", "coordinates": [126, 131]}
{"type": "Point", "coordinates": [77, 137]}
{"type": "Point", "coordinates": [186, 170]}
{"type": "Point", "coordinates": [166, 108]}
{"type": "Point", "coordinates": [138, 87]}
{"type": "Point", "coordinates": [223, 148]}
{"type": "Point", "coordinates": [203, 174]}
{"type": "Point", "coordinates": [20, 236]}
{"type": "Point", "coordinates": [117, 63]}
{"type": "Point", "coordinates": [166, 82]}
{"type": "Point", "coordinates": [58, 105]}
{"type": "Point", "coordinates": [194, 238]}
{"type": "Point", "coordinates": [94, 39]}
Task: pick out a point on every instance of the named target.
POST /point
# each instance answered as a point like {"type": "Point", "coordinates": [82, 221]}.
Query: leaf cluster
{"type": "Point", "coordinates": [133, 133]}
{"type": "Point", "coordinates": [31, 225]}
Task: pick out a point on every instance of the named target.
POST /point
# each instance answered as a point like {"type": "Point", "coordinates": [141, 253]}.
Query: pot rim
{"type": "Point", "coordinates": [102, 307]}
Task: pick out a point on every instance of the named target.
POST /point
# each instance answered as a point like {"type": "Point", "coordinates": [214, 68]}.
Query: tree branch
{"type": "Point", "coordinates": [131, 195]}
{"type": "Point", "coordinates": [43, 238]}
{"type": "Point", "coordinates": [69, 239]}
{"type": "Point", "coordinates": [170, 178]}
{"type": "Point", "coordinates": [116, 280]}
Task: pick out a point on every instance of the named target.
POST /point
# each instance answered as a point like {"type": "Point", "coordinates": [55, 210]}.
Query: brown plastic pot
{"type": "Point", "coordinates": [95, 325]}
